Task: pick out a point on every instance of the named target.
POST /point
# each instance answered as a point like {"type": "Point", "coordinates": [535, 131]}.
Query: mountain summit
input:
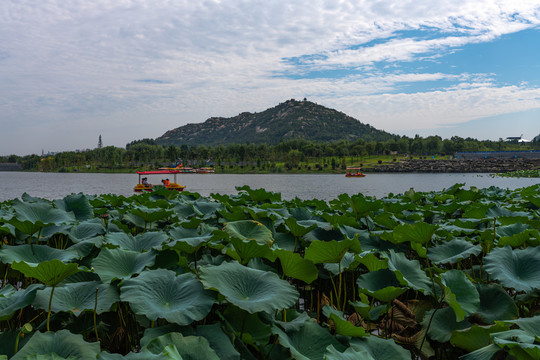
{"type": "Point", "coordinates": [289, 120]}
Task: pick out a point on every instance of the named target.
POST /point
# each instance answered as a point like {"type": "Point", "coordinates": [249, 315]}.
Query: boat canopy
{"type": "Point", "coordinates": [157, 172]}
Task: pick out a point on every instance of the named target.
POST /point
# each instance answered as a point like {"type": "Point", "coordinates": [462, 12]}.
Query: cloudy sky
{"type": "Point", "coordinates": [71, 70]}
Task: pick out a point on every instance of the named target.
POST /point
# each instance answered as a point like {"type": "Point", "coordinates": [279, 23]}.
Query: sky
{"type": "Point", "coordinates": [71, 71]}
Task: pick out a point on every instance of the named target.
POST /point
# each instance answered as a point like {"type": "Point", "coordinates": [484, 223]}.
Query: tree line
{"type": "Point", "coordinates": [147, 153]}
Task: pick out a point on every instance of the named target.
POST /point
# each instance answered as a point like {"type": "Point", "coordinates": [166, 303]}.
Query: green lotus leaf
{"type": "Point", "coordinates": [309, 342]}
{"type": "Point", "coordinates": [348, 262]}
{"type": "Point", "coordinates": [253, 331]}
{"type": "Point", "coordinates": [188, 240]}
{"type": "Point", "coordinates": [7, 290]}
{"type": "Point", "coordinates": [184, 211]}
{"type": "Point", "coordinates": [249, 230]}
{"type": "Point", "coordinates": [161, 294]}
{"type": "Point", "coordinates": [150, 215]}
{"type": "Point", "coordinates": [475, 337]}
{"type": "Point", "coordinates": [371, 261]}
{"type": "Point", "coordinates": [86, 230]}
{"type": "Point", "coordinates": [142, 242]}
{"type": "Point", "coordinates": [260, 195]}
{"type": "Point", "coordinates": [50, 272]}
{"type": "Point", "coordinates": [349, 354]}
{"type": "Point", "coordinates": [189, 347]}
{"type": "Point", "coordinates": [419, 232]}
{"type": "Point", "coordinates": [460, 293]}
{"type": "Point", "coordinates": [51, 356]}
{"type": "Point", "coordinates": [409, 272]}
{"type": "Point", "coordinates": [511, 230]}
{"type": "Point", "coordinates": [62, 343]}
{"type": "Point", "coordinates": [517, 269]}
{"type": "Point", "coordinates": [297, 229]}
{"type": "Point", "coordinates": [10, 303]}
{"type": "Point", "coordinates": [218, 340]}
{"type": "Point", "coordinates": [78, 297]}
{"type": "Point", "coordinates": [323, 232]}
{"type": "Point", "coordinates": [519, 343]}
{"type": "Point", "coordinates": [207, 209]}
{"type": "Point", "coordinates": [296, 266]}
{"type": "Point", "coordinates": [530, 325]}
{"type": "Point", "coordinates": [363, 207]}
{"type": "Point", "coordinates": [343, 327]}
{"type": "Point", "coordinates": [327, 252]}
{"type": "Point", "coordinates": [486, 353]}
{"type": "Point", "coordinates": [78, 204]}
{"type": "Point", "coordinates": [143, 355]}
{"type": "Point", "coordinates": [35, 254]}
{"type": "Point", "coordinates": [113, 264]}
{"type": "Point", "coordinates": [41, 213]}
{"type": "Point", "coordinates": [380, 349]}
{"type": "Point", "coordinates": [495, 304]}
{"type": "Point", "coordinates": [452, 251]}
{"type": "Point", "coordinates": [381, 284]}
{"type": "Point", "coordinates": [249, 289]}
{"type": "Point", "coordinates": [249, 249]}
{"type": "Point", "coordinates": [518, 240]}
{"type": "Point", "coordinates": [442, 324]}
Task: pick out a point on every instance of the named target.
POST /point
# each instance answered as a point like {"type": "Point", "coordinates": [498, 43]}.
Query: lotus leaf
{"type": "Point", "coordinates": [247, 250]}
{"type": "Point", "coordinates": [161, 294]}
{"type": "Point", "coordinates": [50, 272]}
{"type": "Point", "coordinates": [78, 297]}
{"type": "Point", "coordinates": [381, 284]}
{"type": "Point", "coordinates": [381, 349]}
{"type": "Point", "coordinates": [62, 343]}
{"type": "Point", "coordinates": [519, 343]}
{"type": "Point", "coordinates": [495, 304]}
{"type": "Point", "coordinates": [443, 322]}
{"type": "Point", "coordinates": [327, 252]}
{"type": "Point", "coordinates": [348, 262]}
{"type": "Point", "coordinates": [309, 342]}
{"type": "Point", "coordinates": [142, 242]}
{"type": "Point", "coordinates": [15, 300]}
{"type": "Point", "coordinates": [150, 215]}
{"type": "Point", "coordinates": [323, 232]}
{"type": "Point", "coordinates": [518, 269]}
{"type": "Point", "coordinates": [297, 229]}
{"type": "Point", "coordinates": [452, 251]}
{"type": "Point", "coordinates": [349, 354]}
{"type": "Point", "coordinates": [249, 326]}
{"type": "Point", "coordinates": [188, 240]}
{"type": "Point", "coordinates": [530, 325]}
{"type": "Point", "coordinates": [86, 230]}
{"type": "Point", "coordinates": [460, 294]}
{"type": "Point", "coordinates": [260, 195]}
{"type": "Point", "coordinates": [419, 232]}
{"type": "Point", "coordinates": [409, 272]}
{"type": "Point", "coordinates": [113, 264]}
{"type": "Point", "coordinates": [371, 262]}
{"type": "Point", "coordinates": [250, 289]}
{"type": "Point", "coordinates": [344, 327]}
{"type": "Point", "coordinates": [486, 353]}
{"type": "Point", "coordinates": [475, 337]}
{"type": "Point", "coordinates": [78, 204]}
{"type": "Point", "coordinates": [249, 230]}
{"type": "Point", "coordinates": [189, 347]}
{"type": "Point", "coordinates": [41, 214]}
{"type": "Point", "coordinates": [35, 254]}
{"type": "Point", "coordinates": [297, 267]}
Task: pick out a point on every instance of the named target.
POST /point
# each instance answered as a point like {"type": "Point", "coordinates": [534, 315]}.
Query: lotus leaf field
{"type": "Point", "coordinates": [164, 275]}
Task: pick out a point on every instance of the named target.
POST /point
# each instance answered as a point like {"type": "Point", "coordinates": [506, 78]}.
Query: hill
{"type": "Point", "coordinates": [289, 120]}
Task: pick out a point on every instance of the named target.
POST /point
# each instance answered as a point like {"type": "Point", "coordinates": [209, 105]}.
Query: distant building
{"type": "Point", "coordinates": [517, 138]}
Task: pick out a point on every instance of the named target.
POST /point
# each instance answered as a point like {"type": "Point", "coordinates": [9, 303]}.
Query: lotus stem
{"type": "Point", "coordinates": [49, 313]}
{"type": "Point", "coordinates": [95, 317]}
{"type": "Point", "coordinates": [243, 325]}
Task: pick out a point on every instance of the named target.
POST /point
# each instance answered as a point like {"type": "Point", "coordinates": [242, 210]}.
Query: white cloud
{"type": "Point", "coordinates": [84, 65]}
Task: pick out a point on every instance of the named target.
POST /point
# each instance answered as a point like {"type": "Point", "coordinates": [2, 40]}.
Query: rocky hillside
{"type": "Point", "coordinates": [289, 120]}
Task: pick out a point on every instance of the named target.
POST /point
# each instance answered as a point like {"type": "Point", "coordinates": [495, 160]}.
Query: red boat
{"type": "Point", "coordinates": [143, 184]}
{"type": "Point", "coordinates": [352, 173]}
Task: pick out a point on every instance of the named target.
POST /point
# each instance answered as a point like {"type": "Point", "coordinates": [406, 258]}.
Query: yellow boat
{"type": "Point", "coordinates": [140, 187]}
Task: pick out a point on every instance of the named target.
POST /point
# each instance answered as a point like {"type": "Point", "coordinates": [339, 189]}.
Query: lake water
{"type": "Point", "coordinates": [324, 186]}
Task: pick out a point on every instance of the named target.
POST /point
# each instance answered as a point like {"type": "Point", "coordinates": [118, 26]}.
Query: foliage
{"type": "Point", "coordinates": [444, 275]}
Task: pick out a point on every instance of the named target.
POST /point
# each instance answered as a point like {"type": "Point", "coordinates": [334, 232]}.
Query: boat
{"type": "Point", "coordinates": [142, 186]}
{"type": "Point", "coordinates": [351, 172]}
{"type": "Point", "coordinates": [205, 170]}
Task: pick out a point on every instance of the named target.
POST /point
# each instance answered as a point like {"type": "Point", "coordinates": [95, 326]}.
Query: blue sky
{"type": "Point", "coordinates": [126, 70]}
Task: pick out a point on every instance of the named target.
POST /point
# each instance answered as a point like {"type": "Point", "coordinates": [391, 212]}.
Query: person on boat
{"type": "Point", "coordinates": [167, 182]}
{"type": "Point", "coordinates": [145, 182]}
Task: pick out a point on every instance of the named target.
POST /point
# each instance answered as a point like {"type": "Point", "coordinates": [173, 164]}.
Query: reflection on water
{"type": "Point", "coordinates": [324, 186]}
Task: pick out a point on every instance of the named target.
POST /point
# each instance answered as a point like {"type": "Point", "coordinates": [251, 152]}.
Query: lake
{"type": "Point", "coordinates": [304, 186]}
